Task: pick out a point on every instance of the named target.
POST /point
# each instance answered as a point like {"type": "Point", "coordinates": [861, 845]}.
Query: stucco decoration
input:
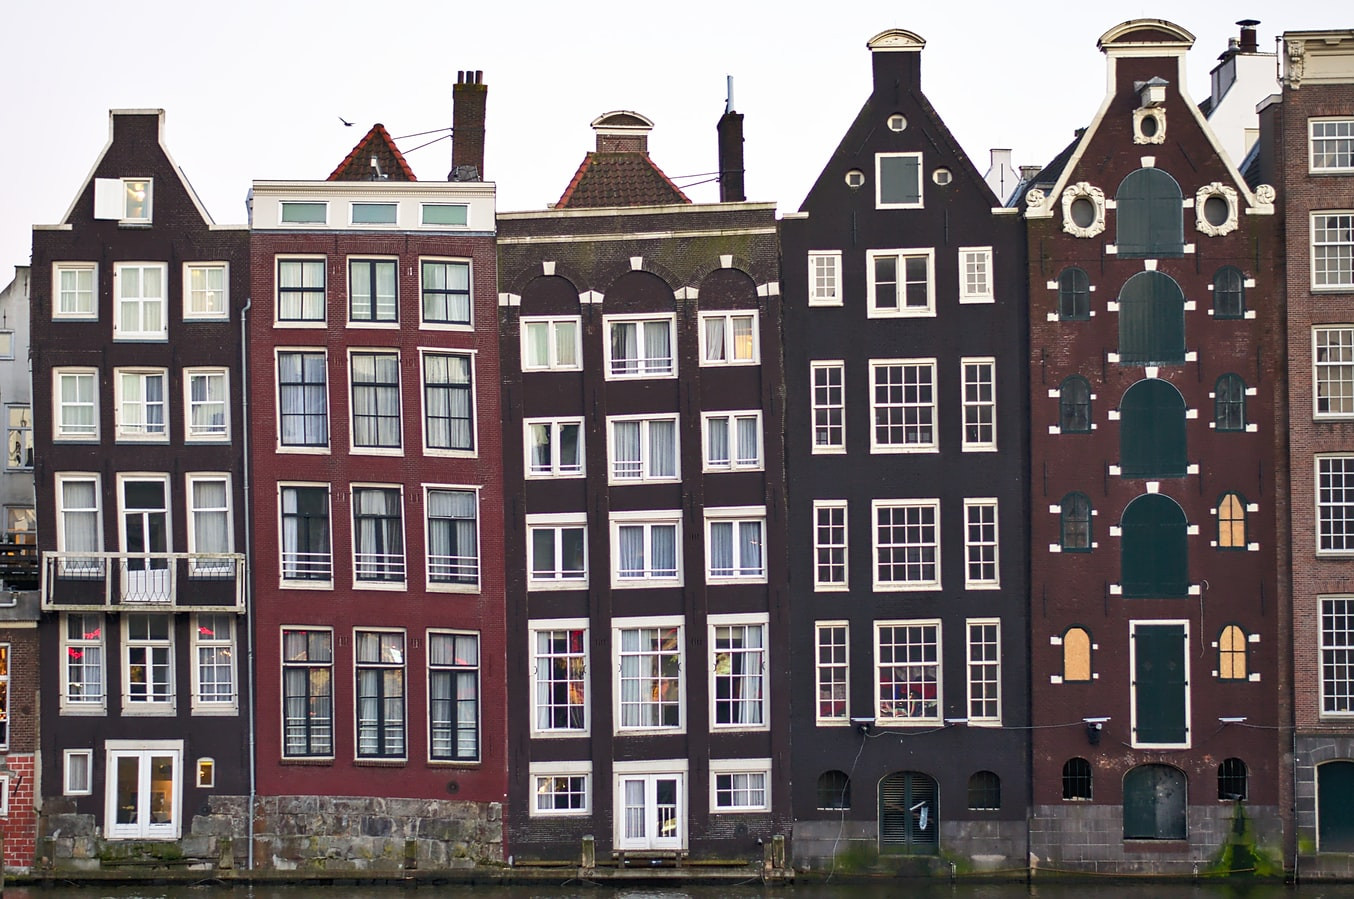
{"type": "Point", "coordinates": [1264, 198]}
{"type": "Point", "coordinates": [1206, 206]}
{"type": "Point", "coordinates": [1090, 224]}
{"type": "Point", "coordinates": [1035, 198]}
{"type": "Point", "coordinates": [1297, 57]}
{"type": "Point", "coordinates": [1149, 125]}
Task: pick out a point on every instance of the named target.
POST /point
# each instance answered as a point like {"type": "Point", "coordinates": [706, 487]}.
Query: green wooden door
{"type": "Point", "coordinates": [907, 813]}
{"type": "Point", "coordinates": [1152, 431]}
{"type": "Point", "coordinates": [1151, 320]}
{"type": "Point", "coordinates": [1150, 216]}
{"type": "Point", "coordinates": [1154, 549]}
{"type": "Point", "coordinates": [1154, 803]}
{"type": "Point", "coordinates": [1335, 807]}
{"type": "Point", "coordinates": [1159, 684]}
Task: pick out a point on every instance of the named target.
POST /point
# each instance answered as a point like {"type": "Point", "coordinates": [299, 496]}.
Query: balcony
{"type": "Point", "coordinates": [18, 560]}
{"type": "Point", "coordinates": [94, 582]}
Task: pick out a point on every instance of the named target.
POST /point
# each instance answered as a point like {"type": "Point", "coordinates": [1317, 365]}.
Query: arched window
{"type": "Point", "coordinates": [1074, 406]}
{"type": "Point", "coordinates": [1154, 557]}
{"type": "Point", "coordinates": [1151, 216]}
{"type": "Point", "coordinates": [1229, 403]}
{"type": "Point", "coordinates": [1154, 803]}
{"type": "Point", "coordinates": [1232, 779]}
{"type": "Point", "coordinates": [1152, 431]}
{"type": "Point", "coordinates": [1074, 295]}
{"type": "Point", "coordinates": [1229, 293]}
{"type": "Point", "coordinates": [1151, 320]}
{"type": "Point", "coordinates": [834, 790]}
{"type": "Point", "coordinates": [1076, 655]}
{"type": "Point", "coordinates": [984, 791]}
{"type": "Point", "coordinates": [1076, 779]}
{"type": "Point", "coordinates": [1231, 522]}
{"type": "Point", "coordinates": [1076, 523]}
{"type": "Point", "coordinates": [1232, 653]}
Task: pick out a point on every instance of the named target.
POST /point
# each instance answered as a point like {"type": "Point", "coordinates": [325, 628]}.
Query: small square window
{"type": "Point", "coordinates": [206, 774]}
{"type": "Point", "coordinates": [825, 278]}
{"type": "Point", "coordinates": [124, 200]}
{"type": "Point", "coordinates": [78, 767]}
{"type": "Point", "coordinates": [204, 290]}
{"type": "Point", "coordinates": [74, 285]}
{"type": "Point", "coordinates": [898, 181]}
{"type": "Point", "coordinates": [900, 283]}
{"type": "Point", "coordinates": [557, 550]}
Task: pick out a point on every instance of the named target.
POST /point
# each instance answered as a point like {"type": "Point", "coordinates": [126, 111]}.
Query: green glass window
{"type": "Point", "coordinates": [1154, 555]}
{"type": "Point", "coordinates": [1076, 523]}
{"type": "Point", "coordinates": [1151, 321]}
{"type": "Point", "coordinates": [1152, 431]}
{"type": "Point", "coordinates": [1074, 406]}
{"type": "Point", "coordinates": [1074, 295]}
{"type": "Point", "coordinates": [1229, 404]}
{"type": "Point", "coordinates": [1150, 214]}
{"type": "Point", "coordinates": [1229, 293]}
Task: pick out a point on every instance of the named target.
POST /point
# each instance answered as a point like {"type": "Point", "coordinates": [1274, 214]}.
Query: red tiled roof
{"type": "Point", "coordinates": [619, 179]}
{"type": "Point", "coordinates": [356, 166]}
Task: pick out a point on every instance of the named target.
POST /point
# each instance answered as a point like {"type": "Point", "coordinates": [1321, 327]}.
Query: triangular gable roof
{"type": "Point", "coordinates": [356, 166]}
{"type": "Point", "coordinates": [619, 179]}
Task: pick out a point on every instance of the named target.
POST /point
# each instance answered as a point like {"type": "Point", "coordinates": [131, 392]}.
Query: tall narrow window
{"type": "Point", "coordinates": [738, 687]}
{"type": "Point", "coordinates": [140, 289]}
{"type": "Point", "coordinates": [1074, 406]}
{"type": "Point", "coordinates": [1337, 656]}
{"type": "Point", "coordinates": [1074, 295]}
{"type": "Point", "coordinates": [453, 537]}
{"type": "Point", "coordinates": [1076, 779]}
{"type": "Point", "coordinates": [210, 535]}
{"type": "Point", "coordinates": [1231, 522]}
{"type": "Point", "coordinates": [446, 292]}
{"type": "Point", "coordinates": [379, 656]}
{"type": "Point", "coordinates": [1076, 655]}
{"type": "Point", "coordinates": [378, 535]}
{"type": "Point", "coordinates": [833, 671]}
{"type": "Point", "coordinates": [1232, 653]}
{"type": "Point", "coordinates": [208, 407]}
{"type": "Point", "coordinates": [981, 570]}
{"type": "Point", "coordinates": [829, 407]}
{"type": "Point", "coordinates": [975, 275]}
{"type": "Point", "coordinates": [214, 665]}
{"type": "Point", "coordinates": [825, 278]}
{"type": "Point", "coordinates": [300, 290]}
{"type": "Point", "coordinates": [650, 679]}
{"type": "Point", "coordinates": [829, 545]}
{"type": "Point", "coordinates": [307, 693]}
{"type": "Point", "coordinates": [448, 404]}
{"type": "Point", "coordinates": [1333, 371]}
{"type": "Point", "coordinates": [560, 679]}
{"type": "Point", "coordinates": [376, 400]}
{"type": "Point", "coordinates": [1229, 293]}
{"type": "Point", "coordinates": [78, 525]}
{"type": "Point", "coordinates": [1232, 779]}
{"type": "Point", "coordinates": [372, 291]}
{"type": "Point", "coordinates": [82, 646]}
{"type": "Point", "coordinates": [1335, 504]}
{"type": "Point", "coordinates": [1152, 431]}
{"type": "Point", "coordinates": [453, 696]}
{"type": "Point", "coordinates": [306, 554]}
{"type": "Point", "coordinates": [1150, 212]}
{"type": "Point", "coordinates": [980, 404]}
{"type": "Point", "coordinates": [148, 661]}
{"type": "Point", "coordinates": [1075, 520]}
{"type": "Point", "coordinates": [984, 671]}
{"type": "Point", "coordinates": [19, 437]}
{"type": "Point", "coordinates": [1160, 668]}
{"type": "Point", "coordinates": [303, 403]}
{"type": "Point", "coordinates": [1229, 404]}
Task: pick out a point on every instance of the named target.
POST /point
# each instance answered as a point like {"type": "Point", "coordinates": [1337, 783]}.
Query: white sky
{"type": "Point", "coordinates": [254, 89]}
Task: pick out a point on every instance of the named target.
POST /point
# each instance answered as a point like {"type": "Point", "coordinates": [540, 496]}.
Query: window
{"type": "Point", "coordinates": [980, 545]}
{"type": "Point", "coordinates": [372, 294]}
{"type": "Point", "coordinates": [559, 659]}
{"type": "Point", "coordinates": [980, 404]}
{"type": "Point", "coordinates": [1229, 404]}
{"type": "Point", "coordinates": [308, 693]}
{"type": "Point", "coordinates": [378, 535]}
{"type": "Point", "coordinates": [445, 214]}
{"type": "Point", "coordinates": [903, 403]}
{"type": "Point", "coordinates": [825, 268]}
{"type": "Point", "coordinates": [554, 448]}
{"type": "Point", "coordinates": [645, 549]}
{"type": "Point", "coordinates": [446, 292]}
{"type": "Point", "coordinates": [900, 283]}
{"type": "Point", "coordinates": [1074, 406]}
{"type": "Point", "coordinates": [1333, 363]}
{"type": "Point", "coordinates": [454, 696]}
{"type": "Point", "coordinates": [448, 403]}
{"type": "Point", "coordinates": [975, 275]}
{"type": "Point", "coordinates": [1337, 655]}
{"type": "Point", "coordinates": [829, 407]}
{"type": "Point", "coordinates": [453, 538]}
{"type": "Point", "coordinates": [306, 554]}
{"type": "Point", "coordinates": [649, 689]}
{"type": "Point", "coordinates": [650, 805]}
{"type": "Point", "coordinates": [143, 515]}
{"type": "Point", "coordinates": [1074, 514]}
{"type": "Point", "coordinates": [558, 552]}
{"type": "Point", "coordinates": [209, 525]}
{"type": "Point", "coordinates": [6, 344]}
{"type": "Point", "coordinates": [1335, 504]}
{"type": "Point", "coordinates": [551, 344]}
{"type": "Point", "coordinates": [141, 400]}
{"type": "Point", "coordinates": [376, 400]}
{"type": "Point", "coordinates": [1232, 653]}
{"type": "Point", "coordinates": [984, 671]}
{"type": "Point", "coordinates": [1076, 779]}
{"type": "Point", "coordinates": [140, 291]}
{"type": "Point", "coordinates": [1076, 655]}
{"type": "Point", "coordinates": [984, 791]}
{"type": "Point", "coordinates": [79, 524]}
{"type": "Point", "coordinates": [375, 213]}
{"type": "Point", "coordinates": [379, 659]}
{"type": "Point", "coordinates": [19, 437]}
{"type": "Point", "coordinates": [729, 338]}
{"type": "Point", "coordinates": [300, 290]}
{"type": "Point", "coordinates": [1231, 513]}
{"type": "Point", "coordinates": [1074, 295]}
{"type": "Point", "coordinates": [735, 543]}
{"type": "Point", "coordinates": [1160, 667]}
{"type": "Point", "coordinates": [82, 646]}
{"type": "Point", "coordinates": [739, 672]}
{"type": "Point", "coordinates": [832, 665]}
{"type": "Point", "coordinates": [147, 663]}
{"type": "Point", "coordinates": [1152, 431]}
{"type": "Point", "coordinates": [304, 213]}
{"type": "Point", "coordinates": [302, 399]}
{"type": "Point", "coordinates": [1154, 549]}
{"type": "Point", "coordinates": [1229, 293]}
{"type": "Point", "coordinates": [906, 544]}
{"type": "Point", "coordinates": [1150, 212]}
{"type": "Point", "coordinates": [735, 788]}
{"type": "Point", "coordinates": [143, 786]}
{"type": "Point", "coordinates": [1332, 145]}
{"type": "Point", "coordinates": [1232, 779]}
{"type": "Point", "coordinates": [561, 788]}
{"type": "Point", "coordinates": [77, 770]}
{"type": "Point", "coordinates": [1333, 250]}
{"type": "Point", "coordinates": [897, 180]}
{"type": "Point", "coordinates": [76, 396]}
{"type": "Point", "coordinates": [204, 289]}
{"type": "Point", "coordinates": [214, 662]}
{"type": "Point", "coordinates": [907, 671]}
{"type": "Point", "coordinates": [829, 545]}
{"type": "Point", "coordinates": [75, 285]}
{"type": "Point", "coordinates": [733, 441]}
{"type": "Point", "coordinates": [126, 200]}
{"type": "Point", "coordinates": [640, 347]}
{"type": "Point", "coordinates": [206, 773]}
{"type": "Point", "coordinates": [834, 791]}
{"type": "Point", "coordinates": [207, 413]}
{"type": "Point", "coordinates": [641, 449]}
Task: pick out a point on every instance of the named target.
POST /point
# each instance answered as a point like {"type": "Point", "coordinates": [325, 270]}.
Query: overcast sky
{"type": "Point", "coordinates": [254, 89]}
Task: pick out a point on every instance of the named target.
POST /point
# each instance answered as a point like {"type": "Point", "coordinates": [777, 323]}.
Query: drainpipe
{"type": "Point", "coordinates": [248, 545]}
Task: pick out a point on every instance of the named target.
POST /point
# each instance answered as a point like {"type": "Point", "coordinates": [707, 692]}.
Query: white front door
{"type": "Point", "coordinates": [143, 787]}
{"type": "Point", "coordinates": [652, 811]}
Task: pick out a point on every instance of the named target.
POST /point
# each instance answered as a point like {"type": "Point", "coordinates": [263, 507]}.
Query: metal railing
{"type": "Point", "coordinates": [101, 581]}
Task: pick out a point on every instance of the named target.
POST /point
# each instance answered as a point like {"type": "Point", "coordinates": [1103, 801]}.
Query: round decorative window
{"type": "Point", "coordinates": [1149, 126]}
{"type": "Point", "coordinates": [1083, 212]}
{"type": "Point", "coordinates": [1216, 212]}
{"type": "Point", "coordinates": [1083, 209]}
{"type": "Point", "coordinates": [897, 122]}
{"type": "Point", "coordinates": [942, 176]}
{"type": "Point", "coordinates": [855, 178]}
{"type": "Point", "coordinates": [1215, 209]}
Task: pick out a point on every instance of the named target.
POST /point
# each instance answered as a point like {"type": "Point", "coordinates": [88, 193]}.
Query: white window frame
{"type": "Point", "coordinates": [879, 182]}
{"type": "Point", "coordinates": [1338, 653]}
{"type": "Point", "coordinates": [201, 705]}
{"type": "Point", "coordinates": [975, 275]}
{"type": "Point", "coordinates": [728, 355]}
{"type": "Point", "coordinates": [761, 653]}
{"type": "Point", "coordinates": [294, 583]}
{"type": "Point", "coordinates": [543, 774]}
{"type": "Point", "coordinates": [734, 462]}
{"type": "Point", "coordinates": [81, 312]}
{"type": "Point", "coordinates": [471, 357]}
{"type": "Point", "coordinates": [207, 312]}
{"type": "Point", "coordinates": [566, 626]}
{"type": "Point", "coordinates": [974, 550]}
{"type": "Point", "coordinates": [645, 367]}
{"type": "Point", "coordinates": [144, 751]}
{"type": "Point", "coordinates": [931, 446]}
{"type": "Point", "coordinates": [206, 773]}
{"type": "Point", "coordinates": [1133, 626]}
{"type": "Point", "coordinates": [97, 705]}
{"type": "Point", "coordinates": [825, 278]}
{"type": "Point", "coordinates": [903, 310]}
{"type": "Point", "coordinates": [557, 469]}
{"type": "Point", "coordinates": [888, 716]}
{"type": "Point", "coordinates": [120, 330]}
{"type": "Point", "coordinates": [301, 291]}
{"type": "Point", "coordinates": [112, 195]}
{"type": "Point", "coordinates": [556, 523]}
{"type": "Point", "coordinates": [974, 408]}
{"type": "Point", "coordinates": [552, 323]}
{"type": "Point", "coordinates": [122, 431]}
{"type": "Point", "coordinates": [980, 666]}
{"type": "Point", "coordinates": [735, 517]}
{"type": "Point", "coordinates": [451, 586]}
{"type": "Point", "coordinates": [901, 586]}
{"type": "Point", "coordinates": [365, 449]}
{"type": "Point", "coordinates": [400, 583]}
{"type": "Point", "coordinates": [1320, 534]}
{"type": "Point", "coordinates": [825, 409]}
{"type": "Point", "coordinates": [645, 462]}
{"type": "Point", "coordinates": [1337, 286]}
{"type": "Point", "coordinates": [821, 585]}
{"type": "Point", "coordinates": [648, 520]}
{"type": "Point", "coordinates": [649, 773]}
{"type": "Point", "coordinates": [167, 703]}
{"type": "Point", "coordinates": [192, 435]}
{"type": "Point", "coordinates": [69, 759]}
{"type": "Point", "coordinates": [1312, 139]}
{"type": "Point", "coordinates": [735, 767]}
{"type": "Point", "coordinates": [836, 671]}
{"type": "Point", "coordinates": [209, 566]}
{"type": "Point", "coordinates": [61, 542]}
{"type": "Point", "coordinates": [1319, 366]}
{"type": "Point", "coordinates": [59, 434]}
{"type": "Point", "coordinates": [19, 436]}
{"type": "Point", "coordinates": [619, 625]}
{"type": "Point", "coordinates": [278, 353]}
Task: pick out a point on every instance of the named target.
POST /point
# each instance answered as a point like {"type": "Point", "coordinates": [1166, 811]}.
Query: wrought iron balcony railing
{"type": "Point", "coordinates": [90, 581]}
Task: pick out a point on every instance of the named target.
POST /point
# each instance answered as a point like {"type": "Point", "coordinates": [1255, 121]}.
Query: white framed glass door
{"type": "Point", "coordinates": [145, 540]}
{"type": "Point", "coordinates": [143, 787]}
{"type": "Point", "coordinates": [652, 811]}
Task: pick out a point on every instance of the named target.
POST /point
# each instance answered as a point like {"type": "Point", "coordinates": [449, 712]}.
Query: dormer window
{"type": "Point", "coordinates": [125, 200]}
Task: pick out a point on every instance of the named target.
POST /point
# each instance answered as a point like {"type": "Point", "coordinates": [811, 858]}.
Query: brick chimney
{"type": "Point", "coordinates": [730, 130]}
{"type": "Point", "coordinates": [468, 102]}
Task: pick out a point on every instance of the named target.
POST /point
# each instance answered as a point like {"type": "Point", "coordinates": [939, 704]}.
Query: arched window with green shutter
{"type": "Point", "coordinates": [1229, 293]}
{"type": "Point", "coordinates": [1151, 320]}
{"type": "Point", "coordinates": [1150, 216]}
{"type": "Point", "coordinates": [1152, 431]}
{"type": "Point", "coordinates": [1154, 549]}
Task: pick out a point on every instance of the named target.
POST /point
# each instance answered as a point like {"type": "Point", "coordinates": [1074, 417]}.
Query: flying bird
{"type": "Point", "coordinates": [345, 121]}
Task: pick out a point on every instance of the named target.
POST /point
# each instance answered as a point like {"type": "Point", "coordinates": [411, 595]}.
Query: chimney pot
{"type": "Point", "coordinates": [468, 101]}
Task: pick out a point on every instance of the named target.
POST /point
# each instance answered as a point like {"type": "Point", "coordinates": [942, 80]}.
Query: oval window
{"type": "Point", "coordinates": [1148, 126]}
{"type": "Point", "coordinates": [1083, 212]}
{"type": "Point", "coordinates": [1216, 211]}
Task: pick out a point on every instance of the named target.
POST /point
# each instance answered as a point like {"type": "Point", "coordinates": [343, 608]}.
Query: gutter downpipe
{"type": "Point", "coordinates": [249, 569]}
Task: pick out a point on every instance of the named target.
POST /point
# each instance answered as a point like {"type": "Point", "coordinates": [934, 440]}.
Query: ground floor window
{"type": "Point", "coordinates": [144, 788]}
{"type": "Point", "coordinates": [650, 808]}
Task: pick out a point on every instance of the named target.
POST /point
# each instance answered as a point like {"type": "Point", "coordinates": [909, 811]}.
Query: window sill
{"type": "Point", "coordinates": [305, 585]}
{"type": "Point", "coordinates": [454, 764]}
{"type": "Point", "coordinates": [302, 450]}
{"type": "Point", "coordinates": [309, 761]}
{"type": "Point", "coordinates": [380, 763]}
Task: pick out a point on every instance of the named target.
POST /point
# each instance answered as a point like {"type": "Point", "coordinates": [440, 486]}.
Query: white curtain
{"type": "Point", "coordinates": [625, 446]}
{"type": "Point", "coordinates": [385, 292]}
{"type": "Point", "coordinates": [749, 688]}
{"type": "Point", "coordinates": [208, 404]}
{"type": "Point", "coordinates": [748, 441]}
{"type": "Point", "coordinates": [714, 339]}
{"type": "Point", "coordinates": [658, 347]}
{"type": "Point", "coordinates": [451, 535]}
{"type": "Point", "coordinates": [379, 544]}
{"type": "Point", "coordinates": [662, 449]}
{"type": "Point", "coordinates": [639, 706]}
{"type": "Point", "coordinates": [566, 344]}
{"type": "Point", "coordinates": [538, 344]}
{"type": "Point", "coordinates": [664, 551]}
{"type": "Point", "coordinates": [210, 522]}
{"type": "Point", "coordinates": [539, 447]}
{"type": "Point", "coordinates": [631, 555]}
{"type": "Point", "coordinates": [447, 379]}
{"type": "Point", "coordinates": [634, 810]}
{"type": "Point", "coordinates": [721, 548]}
{"type": "Point", "coordinates": [717, 441]}
{"type": "Point", "coordinates": [750, 548]}
{"type": "Point", "coordinates": [77, 404]}
{"type": "Point", "coordinates": [624, 348]}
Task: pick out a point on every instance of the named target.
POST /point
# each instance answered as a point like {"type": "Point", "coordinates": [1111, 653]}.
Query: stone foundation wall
{"type": "Point", "coordinates": [853, 846]}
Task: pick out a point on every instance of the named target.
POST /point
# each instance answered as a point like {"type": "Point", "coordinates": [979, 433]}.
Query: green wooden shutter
{"type": "Point", "coordinates": [1150, 216]}
{"type": "Point", "coordinates": [907, 801]}
{"type": "Point", "coordinates": [1335, 807]}
{"type": "Point", "coordinates": [1159, 684]}
{"type": "Point", "coordinates": [1152, 431]}
{"type": "Point", "coordinates": [1151, 320]}
{"type": "Point", "coordinates": [1154, 554]}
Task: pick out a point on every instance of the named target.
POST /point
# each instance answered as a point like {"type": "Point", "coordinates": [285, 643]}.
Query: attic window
{"type": "Point", "coordinates": [374, 213]}
{"type": "Point", "coordinates": [445, 214]}
{"type": "Point", "coordinates": [1149, 125]}
{"type": "Point", "coordinates": [942, 176]}
{"type": "Point", "coordinates": [855, 178]}
{"type": "Point", "coordinates": [304, 213]}
{"type": "Point", "coordinates": [898, 180]}
{"type": "Point", "coordinates": [126, 200]}
{"type": "Point", "coordinates": [897, 122]}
